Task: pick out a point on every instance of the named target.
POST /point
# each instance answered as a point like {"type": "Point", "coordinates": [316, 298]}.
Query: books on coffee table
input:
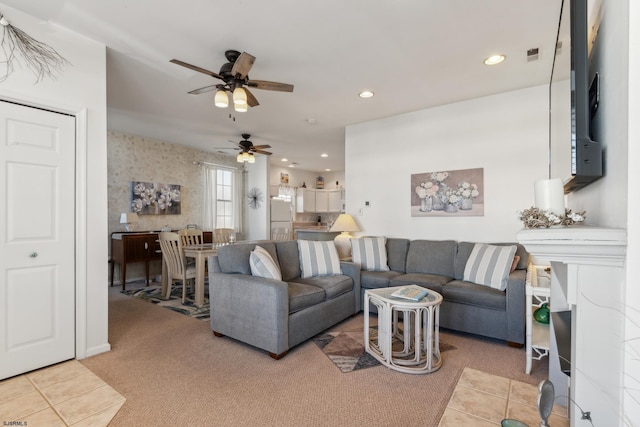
{"type": "Point", "coordinates": [411, 292]}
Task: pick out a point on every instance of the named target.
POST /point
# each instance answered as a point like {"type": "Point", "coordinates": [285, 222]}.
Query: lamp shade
{"type": "Point", "coordinates": [345, 222]}
{"type": "Point", "coordinates": [239, 96]}
{"type": "Point", "coordinates": [221, 99]}
{"type": "Point", "coordinates": [128, 217]}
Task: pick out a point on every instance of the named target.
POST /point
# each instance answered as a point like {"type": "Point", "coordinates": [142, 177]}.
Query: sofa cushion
{"type": "Point", "coordinates": [430, 281]}
{"type": "Point", "coordinates": [333, 286]}
{"type": "Point", "coordinates": [489, 265]}
{"type": "Point", "coordinates": [235, 258]}
{"type": "Point", "coordinates": [318, 258]}
{"type": "Point", "coordinates": [431, 256]}
{"type": "Point", "coordinates": [370, 253]}
{"type": "Point", "coordinates": [289, 259]}
{"type": "Point", "coordinates": [465, 248]}
{"type": "Point", "coordinates": [469, 293]}
{"type": "Point", "coordinates": [397, 253]}
{"type": "Point", "coordinates": [262, 265]}
{"type": "Point", "coordinates": [302, 296]}
{"type": "Point", "coordinates": [377, 279]}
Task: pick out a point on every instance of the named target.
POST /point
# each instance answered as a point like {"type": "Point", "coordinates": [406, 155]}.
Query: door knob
{"type": "Point", "coordinates": [33, 254]}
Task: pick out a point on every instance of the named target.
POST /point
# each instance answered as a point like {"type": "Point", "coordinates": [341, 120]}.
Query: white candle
{"type": "Point", "coordinates": [549, 195]}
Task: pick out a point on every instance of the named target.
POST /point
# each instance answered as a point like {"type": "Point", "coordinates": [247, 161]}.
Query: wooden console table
{"type": "Point", "coordinates": [133, 247]}
{"type": "Point", "coordinates": [140, 246]}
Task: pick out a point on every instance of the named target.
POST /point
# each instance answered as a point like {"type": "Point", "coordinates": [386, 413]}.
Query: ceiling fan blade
{"type": "Point", "coordinates": [251, 100]}
{"type": "Point", "coordinates": [225, 148]}
{"type": "Point", "coordinates": [266, 85]}
{"type": "Point", "coordinates": [266, 153]}
{"type": "Point", "coordinates": [260, 147]}
{"type": "Point", "coordinates": [243, 64]}
{"type": "Point", "coordinates": [196, 68]}
{"type": "Point", "coordinates": [203, 90]}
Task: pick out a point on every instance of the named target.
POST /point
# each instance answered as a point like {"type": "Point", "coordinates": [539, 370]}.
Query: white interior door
{"type": "Point", "coordinates": [37, 238]}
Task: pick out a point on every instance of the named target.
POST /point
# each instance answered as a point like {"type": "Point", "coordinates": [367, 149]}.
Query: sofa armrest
{"type": "Point", "coordinates": [516, 305]}
{"type": "Point", "coordinates": [353, 270]}
{"type": "Point", "coordinates": [250, 309]}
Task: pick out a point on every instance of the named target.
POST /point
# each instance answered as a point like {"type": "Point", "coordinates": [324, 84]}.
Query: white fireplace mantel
{"type": "Point", "coordinates": [588, 265]}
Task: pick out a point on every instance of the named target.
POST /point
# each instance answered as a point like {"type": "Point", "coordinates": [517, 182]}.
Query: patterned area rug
{"type": "Point", "coordinates": [346, 349]}
{"type": "Point", "coordinates": [154, 294]}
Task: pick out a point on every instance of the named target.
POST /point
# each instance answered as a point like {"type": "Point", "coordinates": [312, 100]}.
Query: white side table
{"type": "Point", "coordinates": [419, 336]}
{"type": "Point", "coordinates": [538, 291]}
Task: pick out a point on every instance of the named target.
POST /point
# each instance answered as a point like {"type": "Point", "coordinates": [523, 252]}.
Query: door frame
{"type": "Point", "coordinates": [81, 116]}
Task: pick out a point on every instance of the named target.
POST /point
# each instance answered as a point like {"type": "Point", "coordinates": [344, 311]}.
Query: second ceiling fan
{"type": "Point", "coordinates": [235, 77]}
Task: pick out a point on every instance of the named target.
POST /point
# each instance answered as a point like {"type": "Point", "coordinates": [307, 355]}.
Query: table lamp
{"type": "Point", "coordinates": [345, 224]}
{"type": "Point", "coordinates": [128, 218]}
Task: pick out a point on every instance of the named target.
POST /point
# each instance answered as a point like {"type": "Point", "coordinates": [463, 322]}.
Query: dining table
{"type": "Point", "coordinates": [200, 252]}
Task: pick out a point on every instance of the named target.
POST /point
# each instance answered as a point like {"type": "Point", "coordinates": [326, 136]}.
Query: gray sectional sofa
{"type": "Point", "coordinates": [276, 315]}
{"type": "Point", "coordinates": [466, 306]}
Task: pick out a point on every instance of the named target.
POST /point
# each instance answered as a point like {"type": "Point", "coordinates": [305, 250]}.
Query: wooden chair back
{"type": "Point", "coordinates": [222, 235]}
{"type": "Point", "coordinates": [190, 236]}
{"type": "Point", "coordinates": [280, 233]}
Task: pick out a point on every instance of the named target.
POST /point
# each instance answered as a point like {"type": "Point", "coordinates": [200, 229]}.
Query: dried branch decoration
{"type": "Point", "coordinates": [39, 57]}
{"type": "Point", "coordinates": [538, 218]}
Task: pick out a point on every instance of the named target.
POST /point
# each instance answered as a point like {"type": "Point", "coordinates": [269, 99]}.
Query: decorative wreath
{"type": "Point", "coordinates": [255, 198]}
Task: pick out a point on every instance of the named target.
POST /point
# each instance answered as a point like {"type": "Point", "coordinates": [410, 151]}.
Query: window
{"type": "Point", "coordinates": [222, 195]}
{"type": "Point", "coordinates": [224, 199]}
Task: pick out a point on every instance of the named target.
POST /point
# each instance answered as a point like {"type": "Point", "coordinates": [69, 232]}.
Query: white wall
{"type": "Point", "coordinates": [506, 134]}
{"type": "Point", "coordinates": [632, 326]}
{"type": "Point", "coordinates": [82, 85]}
{"type": "Point", "coordinates": [257, 226]}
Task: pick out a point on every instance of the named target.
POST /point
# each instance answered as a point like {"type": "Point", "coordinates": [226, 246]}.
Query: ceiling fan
{"type": "Point", "coordinates": [235, 75]}
{"type": "Point", "coordinates": [247, 149]}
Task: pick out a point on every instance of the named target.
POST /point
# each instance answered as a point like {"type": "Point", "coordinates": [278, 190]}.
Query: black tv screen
{"type": "Point", "coordinates": [575, 156]}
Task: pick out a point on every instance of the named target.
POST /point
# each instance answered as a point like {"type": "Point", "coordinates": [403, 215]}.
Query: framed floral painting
{"type": "Point", "coordinates": [150, 198]}
{"type": "Point", "coordinates": [448, 193]}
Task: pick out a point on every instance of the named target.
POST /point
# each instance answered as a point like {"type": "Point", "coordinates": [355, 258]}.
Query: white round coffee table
{"type": "Point", "coordinates": [418, 334]}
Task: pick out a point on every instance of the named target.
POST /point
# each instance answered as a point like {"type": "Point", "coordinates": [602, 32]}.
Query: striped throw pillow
{"type": "Point", "coordinates": [489, 265]}
{"type": "Point", "coordinates": [370, 253]}
{"type": "Point", "coordinates": [318, 258]}
{"type": "Point", "coordinates": [262, 265]}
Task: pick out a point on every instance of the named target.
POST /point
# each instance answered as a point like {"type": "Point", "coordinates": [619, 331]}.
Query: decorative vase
{"type": "Point", "coordinates": [466, 204]}
{"type": "Point", "coordinates": [451, 208]}
{"type": "Point", "coordinates": [542, 314]}
{"type": "Point", "coordinates": [437, 204]}
{"type": "Point", "coordinates": [426, 204]}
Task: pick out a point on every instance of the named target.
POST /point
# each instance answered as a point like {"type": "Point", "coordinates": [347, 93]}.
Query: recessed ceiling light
{"type": "Point", "coordinates": [284, 159]}
{"type": "Point", "coordinates": [312, 120]}
{"type": "Point", "coordinates": [291, 165]}
{"type": "Point", "coordinates": [366, 94]}
{"type": "Point", "coordinates": [324, 155]}
{"type": "Point", "coordinates": [495, 59]}
{"type": "Point", "coordinates": [327, 170]}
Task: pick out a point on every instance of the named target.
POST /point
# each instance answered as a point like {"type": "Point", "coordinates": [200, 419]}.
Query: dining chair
{"type": "Point", "coordinates": [280, 233]}
{"type": "Point", "coordinates": [222, 235]}
{"type": "Point", "coordinates": [177, 267]}
{"type": "Point", "coordinates": [190, 236]}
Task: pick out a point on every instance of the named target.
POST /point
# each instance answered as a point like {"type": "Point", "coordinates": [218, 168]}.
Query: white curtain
{"type": "Point", "coordinates": [209, 205]}
{"type": "Point", "coordinates": [238, 199]}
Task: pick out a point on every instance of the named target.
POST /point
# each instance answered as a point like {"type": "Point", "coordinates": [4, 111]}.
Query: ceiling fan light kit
{"type": "Point", "coordinates": [221, 99]}
{"type": "Point", "coordinates": [235, 75]}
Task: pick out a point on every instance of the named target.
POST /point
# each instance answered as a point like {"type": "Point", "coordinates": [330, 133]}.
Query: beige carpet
{"type": "Point", "coordinates": [173, 371]}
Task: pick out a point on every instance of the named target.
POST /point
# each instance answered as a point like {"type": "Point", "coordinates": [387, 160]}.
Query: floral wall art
{"type": "Point", "coordinates": [448, 193]}
{"type": "Point", "coordinates": [150, 198]}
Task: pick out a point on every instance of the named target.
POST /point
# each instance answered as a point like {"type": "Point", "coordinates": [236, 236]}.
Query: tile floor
{"type": "Point", "coordinates": [66, 394]}
{"type": "Point", "coordinates": [482, 399]}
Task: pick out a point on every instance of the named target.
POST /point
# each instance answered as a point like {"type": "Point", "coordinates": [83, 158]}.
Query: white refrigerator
{"type": "Point", "coordinates": [281, 215]}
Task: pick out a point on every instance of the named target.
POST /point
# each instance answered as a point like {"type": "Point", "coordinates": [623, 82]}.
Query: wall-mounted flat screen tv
{"type": "Point", "coordinates": [575, 156]}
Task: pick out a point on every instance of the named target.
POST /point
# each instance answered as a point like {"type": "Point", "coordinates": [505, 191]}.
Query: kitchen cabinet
{"type": "Point", "coordinates": [318, 201]}
{"type": "Point", "coordinates": [335, 200]}
{"type": "Point", "coordinates": [306, 200]}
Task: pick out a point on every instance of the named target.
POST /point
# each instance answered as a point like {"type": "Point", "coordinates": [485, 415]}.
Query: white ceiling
{"type": "Point", "coordinates": [414, 54]}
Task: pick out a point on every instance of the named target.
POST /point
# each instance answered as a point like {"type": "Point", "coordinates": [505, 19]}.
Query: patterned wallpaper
{"type": "Point", "coordinates": [135, 158]}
